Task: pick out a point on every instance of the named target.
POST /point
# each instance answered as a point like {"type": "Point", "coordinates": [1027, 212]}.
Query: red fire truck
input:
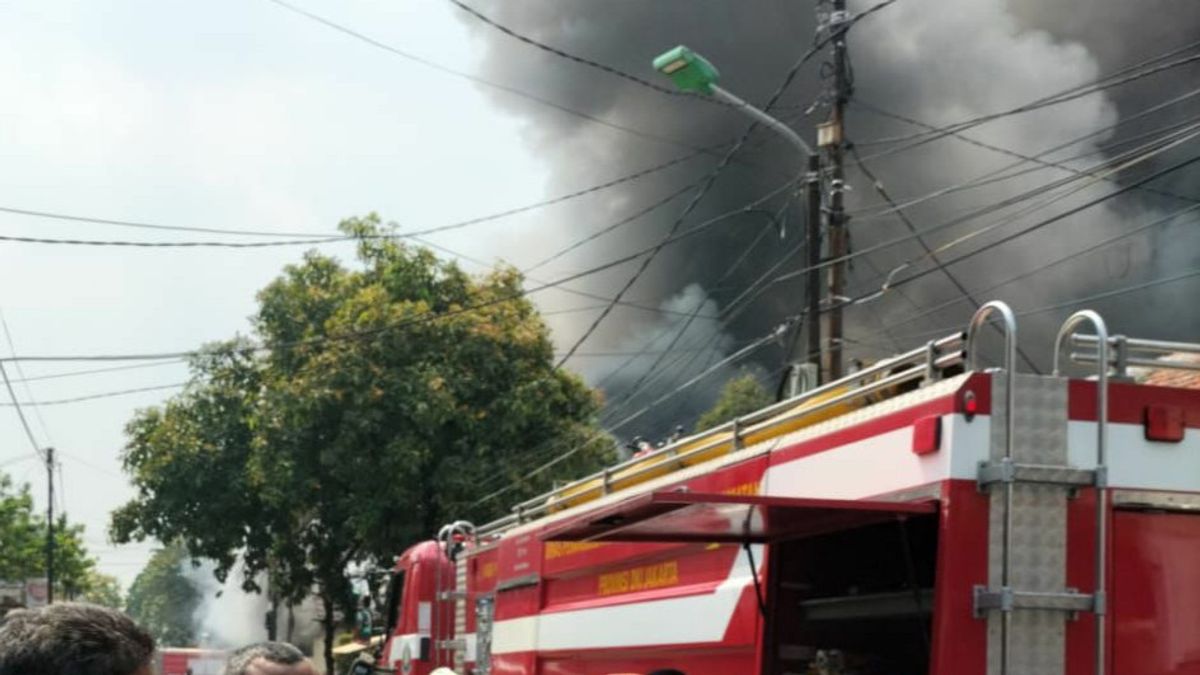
{"type": "Point", "coordinates": [919, 516]}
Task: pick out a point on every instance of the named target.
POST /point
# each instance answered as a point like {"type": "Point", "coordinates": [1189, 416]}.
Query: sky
{"type": "Point", "coordinates": [218, 114]}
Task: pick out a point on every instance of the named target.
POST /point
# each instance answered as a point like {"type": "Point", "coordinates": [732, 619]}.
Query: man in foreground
{"type": "Point", "coordinates": [73, 639]}
{"type": "Point", "coordinates": [268, 658]}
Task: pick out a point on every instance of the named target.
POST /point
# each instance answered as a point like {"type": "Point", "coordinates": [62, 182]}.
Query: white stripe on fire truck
{"type": "Point", "coordinates": [693, 619]}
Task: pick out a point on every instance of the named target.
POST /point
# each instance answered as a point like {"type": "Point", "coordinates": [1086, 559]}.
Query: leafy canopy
{"type": "Point", "coordinates": [388, 398]}
{"type": "Point", "coordinates": [741, 395]}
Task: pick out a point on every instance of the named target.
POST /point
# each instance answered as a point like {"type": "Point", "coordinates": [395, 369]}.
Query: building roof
{"type": "Point", "coordinates": [1170, 377]}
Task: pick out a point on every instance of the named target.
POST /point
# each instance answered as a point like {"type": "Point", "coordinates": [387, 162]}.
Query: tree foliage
{"type": "Point", "coordinates": [23, 543]}
{"type": "Point", "coordinates": [103, 589]}
{"type": "Point", "coordinates": [164, 600]}
{"type": "Point", "coordinates": [740, 395]}
{"type": "Point", "coordinates": [387, 399]}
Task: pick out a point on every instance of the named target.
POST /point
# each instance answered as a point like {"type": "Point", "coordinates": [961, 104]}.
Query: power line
{"type": "Point", "coordinates": [1043, 223]}
{"type": "Point", "coordinates": [1145, 154]}
{"type": "Point", "coordinates": [20, 413]}
{"type": "Point", "coordinates": [604, 68]}
{"type": "Point", "coordinates": [711, 178]}
{"type": "Point", "coordinates": [929, 251]}
{"type": "Point", "coordinates": [173, 244]}
{"type": "Point", "coordinates": [1049, 265]}
{"type": "Point", "coordinates": [736, 356]}
{"type": "Point", "coordinates": [93, 397]}
{"type": "Point", "coordinates": [93, 371]}
{"type": "Point", "coordinates": [1052, 100]}
{"type": "Point", "coordinates": [474, 78]}
{"type": "Point", "coordinates": [12, 349]}
{"type": "Point", "coordinates": [564, 289]}
{"type": "Point", "coordinates": [995, 148]}
{"type": "Point", "coordinates": [1003, 173]}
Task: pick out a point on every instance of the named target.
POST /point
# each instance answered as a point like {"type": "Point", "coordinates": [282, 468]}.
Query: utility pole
{"type": "Point", "coordinates": [831, 137]}
{"type": "Point", "coordinates": [813, 242]}
{"type": "Point", "coordinates": [50, 527]}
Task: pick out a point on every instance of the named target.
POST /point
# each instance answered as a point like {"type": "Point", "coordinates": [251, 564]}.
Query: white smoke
{"type": "Point", "coordinates": [227, 617]}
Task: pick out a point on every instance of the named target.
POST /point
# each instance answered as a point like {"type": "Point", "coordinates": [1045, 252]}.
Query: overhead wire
{"type": "Point", "coordinates": [1122, 162]}
{"type": "Point", "coordinates": [428, 63]}
{"type": "Point", "coordinates": [1043, 223]}
{"type": "Point", "coordinates": [1001, 150]}
{"type": "Point", "coordinates": [1005, 172]}
{"type": "Point", "coordinates": [589, 63]}
{"type": "Point", "coordinates": [1049, 265]}
{"type": "Point", "coordinates": [711, 178]}
{"type": "Point", "coordinates": [1147, 68]}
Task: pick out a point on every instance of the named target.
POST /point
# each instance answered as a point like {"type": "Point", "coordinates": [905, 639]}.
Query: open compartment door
{"type": "Point", "coordinates": [719, 518]}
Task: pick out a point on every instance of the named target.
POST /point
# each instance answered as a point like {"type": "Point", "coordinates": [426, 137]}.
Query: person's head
{"type": "Point", "coordinates": [668, 671]}
{"type": "Point", "coordinates": [73, 639]}
{"type": "Point", "coordinates": [268, 658]}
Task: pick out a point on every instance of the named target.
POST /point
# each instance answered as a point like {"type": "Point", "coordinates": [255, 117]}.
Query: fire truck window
{"type": "Point", "coordinates": [395, 590]}
{"type": "Point", "coordinates": [856, 601]}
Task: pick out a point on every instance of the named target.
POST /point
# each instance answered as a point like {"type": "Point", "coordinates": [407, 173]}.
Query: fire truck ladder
{"type": "Point", "coordinates": [454, 651]}
{"type": "Point", "coordinates": [923, 364]}
{"type": "Point", "coordinates": [1026, 511]}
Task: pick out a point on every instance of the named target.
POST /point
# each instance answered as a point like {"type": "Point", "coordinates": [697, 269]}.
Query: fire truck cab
{"type": "Point", "coordinates": [984, 523]}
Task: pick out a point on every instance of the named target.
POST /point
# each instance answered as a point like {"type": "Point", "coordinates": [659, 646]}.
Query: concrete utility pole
{"type": "Point", "coordinates": [50, 527]}
{"type": "Point", "coordinates": [812, 315]}
{"type": "Point", "coordinates": [832, 140]}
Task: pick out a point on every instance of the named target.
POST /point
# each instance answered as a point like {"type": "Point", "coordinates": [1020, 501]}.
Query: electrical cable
{"type": "Point", "coordinates": [1120, 162]}
{"type": "Point", "coordinates": [637, 387]}
{"type": "Point", "coordinates": [12, 349]}
{"type": "Point", "coordinates": [93, 397]}
{"type": "Point", "coordinates": [93, 371]}
{"type": "Point", "coordinates": [1002, 174]}
{"type": "Point", "coordinates": [929, 251]}
{"type": "Point", "coordinates": [709, 180]}
{"type": "Point", "coordinates": [641, 173]}
{"type": "Point", "coordinates": [1045, 266]}
{"type": "Point", "coordinates": [476, 79]}
{"type": "Point", "coordinates": [1055, 99]}
{"type": "Point", "coordinates": [20, 413]}
{"type": "Point", "coordinates": [994, 148]}
{"type": "Point", "coordinates": [604, 68]}
{"type": "Point", "coordinates": [740, 354]}
{"type": "Point", "coordinates": [1043, 223]}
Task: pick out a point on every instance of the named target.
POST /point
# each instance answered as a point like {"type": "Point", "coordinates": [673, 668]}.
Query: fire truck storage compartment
{"type": "Point", "coordinates": [848, 581]}
{"type": "Point", "coordinates": [1156, 592]}
{"type": "Point", "coordinates": [859, 597]}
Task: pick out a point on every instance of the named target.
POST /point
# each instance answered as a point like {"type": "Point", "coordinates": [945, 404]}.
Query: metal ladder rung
{"type": "Point", "coordinates": [1005, 599]}
{"type": "Point", "coordinates": [1008, 471]}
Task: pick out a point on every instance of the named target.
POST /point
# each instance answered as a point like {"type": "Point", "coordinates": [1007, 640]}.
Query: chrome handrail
{"type": "Point", "coordinates": [1102, 346]}
{"type": "Point", "coordinates": [978, 321]}
{"type": "Point", "coordinates": [912, 364]}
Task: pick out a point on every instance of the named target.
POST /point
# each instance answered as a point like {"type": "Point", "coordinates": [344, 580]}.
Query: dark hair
{"type": "Point", "coordinates": [668, 671]}
{"type": "Point", "coordinates": [72, 639]}
{"type": "Point", "coordinates": [274, 652]}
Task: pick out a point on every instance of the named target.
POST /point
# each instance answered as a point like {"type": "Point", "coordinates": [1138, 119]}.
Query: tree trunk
{"type": "Point", "coordinates": [291, 624]}
{"type": "Point", "coordinates": [328, 622]}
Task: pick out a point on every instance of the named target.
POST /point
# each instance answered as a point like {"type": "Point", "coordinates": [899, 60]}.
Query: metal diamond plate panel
{"type": "Point", "coordinates": [1038, 556]}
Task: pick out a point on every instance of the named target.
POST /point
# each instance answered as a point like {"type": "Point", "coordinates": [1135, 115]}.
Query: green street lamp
{"type": "Point", "coordinates": [694, 74]}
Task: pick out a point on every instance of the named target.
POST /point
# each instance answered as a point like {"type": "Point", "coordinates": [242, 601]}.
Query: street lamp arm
{"type": "Point", "coordinates": [762, 118]}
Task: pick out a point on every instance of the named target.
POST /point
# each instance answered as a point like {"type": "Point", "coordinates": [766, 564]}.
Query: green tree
{"type": "Point", "coordinates": [163, 599]}
{"type": "Point", "coordinates": [23, 543]}
{"type": "Point", "coordinates": [383, 397]}
{"type": "Point", "coordinates": [740, 395]}
{"type": "Point", "coordinates": [102, 589]}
